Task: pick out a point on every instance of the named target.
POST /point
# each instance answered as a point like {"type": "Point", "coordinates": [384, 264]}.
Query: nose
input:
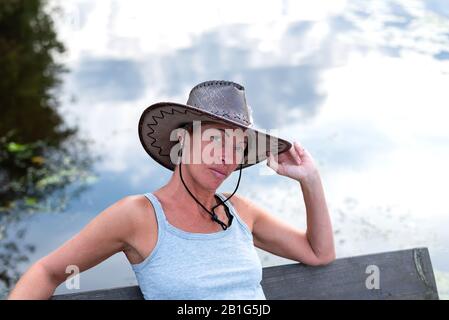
{"type": "Point", "coordinates": [227, 156]}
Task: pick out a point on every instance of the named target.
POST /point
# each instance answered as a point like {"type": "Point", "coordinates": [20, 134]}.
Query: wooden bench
{"type": "Point", "coordinates": [404, 274]}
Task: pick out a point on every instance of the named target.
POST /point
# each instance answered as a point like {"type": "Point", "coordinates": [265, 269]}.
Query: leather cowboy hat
{"type": "Point", "coordinates": [210, 101]}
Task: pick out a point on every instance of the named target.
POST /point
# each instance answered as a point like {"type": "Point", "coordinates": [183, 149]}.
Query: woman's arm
{"type": "Point", "coordinates": [319, 227]}
{"type": "Point", "coordinates": [104, 236]}
{"type": "Point", "coordinates": [315, 246]}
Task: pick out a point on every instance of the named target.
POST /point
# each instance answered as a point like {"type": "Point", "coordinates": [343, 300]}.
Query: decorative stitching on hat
{"type": "Point", "coordinates": [149, 125]}
{"type": "Point", "coordinates": [218, 83]}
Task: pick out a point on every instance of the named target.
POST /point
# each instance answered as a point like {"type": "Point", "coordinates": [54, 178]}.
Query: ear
{"type": "Point", "coordinates": [180, 135]}
{"type": "Point", "coordinates": [182, 139]}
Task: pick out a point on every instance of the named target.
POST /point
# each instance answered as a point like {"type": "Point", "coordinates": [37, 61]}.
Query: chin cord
{"type": "Point", "coordinates": [220, 202]}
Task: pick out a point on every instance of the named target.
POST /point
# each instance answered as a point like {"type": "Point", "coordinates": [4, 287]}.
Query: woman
{"type": "Point", "coordinates": [185, 240]}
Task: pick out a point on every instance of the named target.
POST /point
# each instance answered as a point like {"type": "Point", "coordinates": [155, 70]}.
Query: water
{"type": "Point", "coordinates": [363, 86]}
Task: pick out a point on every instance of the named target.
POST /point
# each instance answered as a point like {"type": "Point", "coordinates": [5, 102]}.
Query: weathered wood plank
{"type": "Point", "coordinates": [122, 293]}
{"type": "Point", "coordinates": [405, 274]}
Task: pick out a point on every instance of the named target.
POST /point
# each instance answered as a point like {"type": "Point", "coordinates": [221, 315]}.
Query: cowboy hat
{"type": "Point", "coordinates": [210, 101]}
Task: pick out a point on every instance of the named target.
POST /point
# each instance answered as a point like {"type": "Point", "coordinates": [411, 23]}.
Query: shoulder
{"type": "Point", "coordinates": [130, 205]}
{"type": "Point", "coordinates": [137, 208]}
{"type": "Point", "coordinates": [249, 209]}
{"type": "Point", "coordinates": [237, 200]}
{"type": "Point", "coordinates": [127, 215]}
{"type": "Point", "coordinates": [139, 218]}
{"type": "Point", "coordinates": [244, 207]}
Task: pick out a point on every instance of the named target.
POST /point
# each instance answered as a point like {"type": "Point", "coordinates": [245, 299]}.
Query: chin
{"type": "Point", "coordinates": [204, 179]}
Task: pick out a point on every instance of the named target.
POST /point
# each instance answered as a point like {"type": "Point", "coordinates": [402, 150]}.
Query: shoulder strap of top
{"type": "Point", "coordinates": [161, 219]}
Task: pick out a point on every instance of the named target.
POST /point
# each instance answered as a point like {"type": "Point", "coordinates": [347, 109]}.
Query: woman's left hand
{"type": "Point", "coordinates": [296, 163]}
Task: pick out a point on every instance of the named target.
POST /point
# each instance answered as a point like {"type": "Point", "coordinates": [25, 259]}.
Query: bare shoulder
{"type": "Point", "coordinates": [127, 208]}
{"type": "Point", "coordinates": [137, 202]}
{"type": "Point", "coordinates": [128, 218]}
{"type": "Point", "coordinates": [124, 216]}
{"type": "Point", "coordinates": [244, 206]}
{"type": "Point", "coordinates": [138, 210]}
{"type": "Point", "coordinates": [142, 216]}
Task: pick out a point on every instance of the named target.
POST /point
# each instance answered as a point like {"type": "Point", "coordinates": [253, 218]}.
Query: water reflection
{"type": "Point", "coordinates": [42, 161]}
{"type": "Point", "coordinates": [113, 80]}
{"type": "Point", "coordinates": [363, 87]}
{"type": "Point", "coordinates": [12, 253]}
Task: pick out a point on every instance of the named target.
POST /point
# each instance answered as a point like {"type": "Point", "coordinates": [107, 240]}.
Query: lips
{"type": "Point", "coordinates": [218, 173]}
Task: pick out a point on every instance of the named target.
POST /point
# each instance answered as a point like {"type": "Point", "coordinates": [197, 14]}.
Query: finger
{"type": "Point", "coordinates": [290, 155]}
{"type": "Point", "coordinates": [295, 155]}
{"type": "Point", "coordinates": [299, 148]}
{"type": "Point", "coordinates": [293, 152]}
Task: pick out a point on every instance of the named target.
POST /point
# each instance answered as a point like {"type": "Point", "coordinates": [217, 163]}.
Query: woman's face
{"type": "Point", "coordinates": [211, 152]}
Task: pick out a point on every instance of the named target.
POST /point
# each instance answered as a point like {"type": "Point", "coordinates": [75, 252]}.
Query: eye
{"type": "Point", "coordinates": [215, 138]}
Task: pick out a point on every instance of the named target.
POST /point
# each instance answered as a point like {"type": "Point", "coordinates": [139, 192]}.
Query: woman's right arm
{"type": "Point", "coordinates": [107, 234]}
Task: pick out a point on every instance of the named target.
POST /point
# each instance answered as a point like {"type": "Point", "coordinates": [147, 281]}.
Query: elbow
{"type": "Point", "coordinates": [35, 284]}
{"type": "Point", "coordinates": [322, 260]}
{"type": "Point", "coordinates": [327, 259]}
{"type": "Point", "coordinates": [53, 278]}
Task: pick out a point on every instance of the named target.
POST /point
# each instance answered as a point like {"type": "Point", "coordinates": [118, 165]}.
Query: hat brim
{"type": "Point", "coordinates": [159, 120]}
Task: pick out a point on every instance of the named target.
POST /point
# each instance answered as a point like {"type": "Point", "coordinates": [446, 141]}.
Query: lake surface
{"type": "Point", "coordinates": [362, 85]}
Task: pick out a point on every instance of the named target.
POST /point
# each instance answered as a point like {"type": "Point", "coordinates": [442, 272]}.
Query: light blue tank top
{"type": "Point", "coordinates": [223, 265]}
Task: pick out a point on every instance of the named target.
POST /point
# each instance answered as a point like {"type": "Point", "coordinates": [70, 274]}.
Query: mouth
{"type": "Point", "coordinates": [218, 174]}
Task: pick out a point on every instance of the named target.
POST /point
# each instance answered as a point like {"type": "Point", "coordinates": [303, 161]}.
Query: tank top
{"type": "Point", "coordinates": [222, 265]}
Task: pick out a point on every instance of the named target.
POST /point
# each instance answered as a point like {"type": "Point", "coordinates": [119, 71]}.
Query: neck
{"type": "Point", "coordinates": [175, 189]}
